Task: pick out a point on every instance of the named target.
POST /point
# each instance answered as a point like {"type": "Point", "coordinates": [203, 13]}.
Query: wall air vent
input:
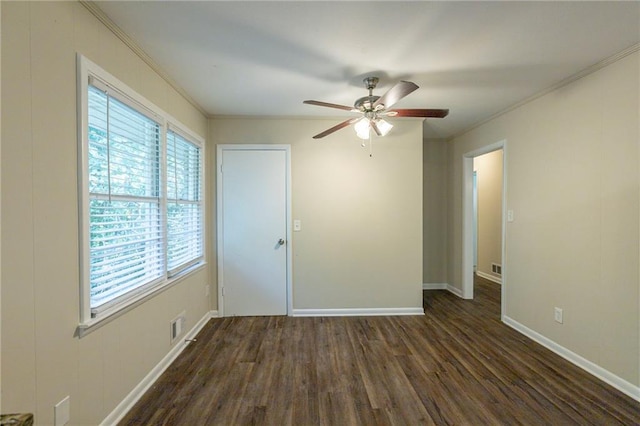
{"type": "Point", "coordinates": [496, 269]}
{"type": "Point", "coordinates": [177, 325]}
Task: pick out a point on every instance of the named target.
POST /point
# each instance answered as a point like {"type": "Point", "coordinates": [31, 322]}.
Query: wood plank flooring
{"type": "Point", "coordinates": [458, 364]}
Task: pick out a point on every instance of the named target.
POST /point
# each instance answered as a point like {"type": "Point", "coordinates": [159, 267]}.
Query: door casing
{"type": "Point", "coordinates": [219, 218]}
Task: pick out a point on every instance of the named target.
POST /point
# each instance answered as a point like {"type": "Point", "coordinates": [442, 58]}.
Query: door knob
{"type": "Point", "coordinates": [281, 242]}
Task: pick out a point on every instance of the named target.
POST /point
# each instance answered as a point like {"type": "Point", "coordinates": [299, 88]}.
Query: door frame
{"type": "Point", "coordinates": [467, 221]}
{"type": "Point", "coordinates": [219, 219]}
{"type": "Point", "coordinates": [475, 220]}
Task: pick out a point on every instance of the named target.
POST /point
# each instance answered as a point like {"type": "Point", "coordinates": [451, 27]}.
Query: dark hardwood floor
{"type": "Point", "coordinates": [458, 364]}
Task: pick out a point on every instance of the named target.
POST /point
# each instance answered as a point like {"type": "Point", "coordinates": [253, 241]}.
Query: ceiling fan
{"type": "Point", "coordinates": [374, 108]}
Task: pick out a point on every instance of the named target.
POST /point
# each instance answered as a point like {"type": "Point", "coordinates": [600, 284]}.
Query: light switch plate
{"type": "Point", "coordinates": [557, 315]}
{"type": "Point", "coordinates": [509, 215]}
{"type": "Point", "coordinates": [297, 225]}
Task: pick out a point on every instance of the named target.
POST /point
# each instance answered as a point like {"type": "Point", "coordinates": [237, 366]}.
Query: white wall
{"type": "Point", "coordinates": [573, 183]}
{"type": "Point", "coordinates": [488, 168]}
{"type": "Point", "coordinates": [42, 361]}
{"type": "Point", "coordinates": [361, 239]}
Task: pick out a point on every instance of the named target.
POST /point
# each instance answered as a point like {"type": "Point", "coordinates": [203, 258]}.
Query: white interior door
{"type": "Point", "coordinates": [253, 231]}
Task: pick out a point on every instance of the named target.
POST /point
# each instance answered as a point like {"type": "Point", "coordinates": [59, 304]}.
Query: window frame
{"type": "Point", "coordinates": [88, 73]}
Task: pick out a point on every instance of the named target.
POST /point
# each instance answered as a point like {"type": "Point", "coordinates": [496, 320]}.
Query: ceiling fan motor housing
{"type": "Point", "coordinates": [365, 104]}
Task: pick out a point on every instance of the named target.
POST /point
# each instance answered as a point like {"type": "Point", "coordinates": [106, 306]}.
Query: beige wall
{"type": "Point", "coordinates": [572, 181]}
{"type": "Point", "coordinates": [361, 239]}
{"type": "Point", "coordinates": [42, 361]}
{"type": "Point", "coordinates": [488, 168]}
{"type": "Point", "coordinates": [434, 208]}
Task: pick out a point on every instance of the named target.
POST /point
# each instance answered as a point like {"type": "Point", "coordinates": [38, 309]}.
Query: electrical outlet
{"type": "Point", "coordinates": [61, 412]}
{"type": "Point", "coordinates": [557, 315]}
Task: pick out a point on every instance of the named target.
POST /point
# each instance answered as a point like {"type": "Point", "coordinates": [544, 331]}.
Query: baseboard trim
{"type": "Point", "coordinates": [454, 290]}
{"type": "Point", "coordinates": [434, 286]}
{"type": "Point", "coordinates": [129, 401]}
{"type": "Point", "coordinates": [442, 286]}
{"type": "Point", "coordinates": [606, 376]}
{"type": "Point", "coordinates": [489, 277]}
{"type": "Point", "coordinates": [357, 312]}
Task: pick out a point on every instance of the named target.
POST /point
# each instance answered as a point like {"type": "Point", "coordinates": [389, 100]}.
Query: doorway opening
{"type": "Point", "coordinates": [484, 217]}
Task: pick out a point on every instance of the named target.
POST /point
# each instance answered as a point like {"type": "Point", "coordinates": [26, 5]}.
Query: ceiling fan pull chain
{"type": "Point", "coordinates": [370, 146]}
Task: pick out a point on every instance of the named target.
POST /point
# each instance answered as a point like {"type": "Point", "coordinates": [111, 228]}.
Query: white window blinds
{"type": "Point", "coordinates": [125, 220]}
{"type": "Point", "coordinates": [184, 203]}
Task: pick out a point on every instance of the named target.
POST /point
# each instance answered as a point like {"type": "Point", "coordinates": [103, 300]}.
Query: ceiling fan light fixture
{"type": "Point", "coordinates": [362, 128]}
{"type": "Point", "coordinates": [384, 126]}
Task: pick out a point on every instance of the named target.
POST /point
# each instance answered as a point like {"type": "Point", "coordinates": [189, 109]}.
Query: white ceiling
{"type": "Point", "coordinates": [475, 58]}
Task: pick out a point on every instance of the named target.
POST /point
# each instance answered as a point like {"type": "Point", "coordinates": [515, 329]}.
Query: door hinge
{"type": "Point", "coordinates": [222, 291]}
{"type": "Point", "coordinates": [220, 168]}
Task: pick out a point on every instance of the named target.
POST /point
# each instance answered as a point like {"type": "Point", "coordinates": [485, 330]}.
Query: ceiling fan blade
{"type": "Point", "coordinates": [327, 104]}
{"type": "Point", "coordinates": [433, 113]}
{"type": "Point", "coordinates": [396, 93]}
{"type": "Point", "coordinates": [337, 127]}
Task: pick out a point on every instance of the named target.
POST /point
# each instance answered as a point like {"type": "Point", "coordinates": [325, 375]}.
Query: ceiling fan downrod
{"type": "Point", "coordinates": [370, 83]}
{"type": "Point", "coordinates": [365, 104]}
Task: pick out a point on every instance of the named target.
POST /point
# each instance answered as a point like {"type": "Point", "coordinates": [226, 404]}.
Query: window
{"type": "Point", "coordinates": [184, 204]}
{"type": "Point", "coordinates": [141, 186]}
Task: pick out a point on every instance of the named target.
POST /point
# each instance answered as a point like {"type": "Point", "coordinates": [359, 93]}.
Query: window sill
{"type": "Point", "coordinates": [107, 316]}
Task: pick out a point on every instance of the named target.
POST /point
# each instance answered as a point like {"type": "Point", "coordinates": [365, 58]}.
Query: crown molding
{"type": "Point", "coordinates": [585, 72]}
{"type": "Point", "coordinates": [133, 45]}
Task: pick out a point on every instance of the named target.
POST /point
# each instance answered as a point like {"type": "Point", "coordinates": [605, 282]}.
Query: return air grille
{"type": "Point", "coordinates": [496, 269]}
